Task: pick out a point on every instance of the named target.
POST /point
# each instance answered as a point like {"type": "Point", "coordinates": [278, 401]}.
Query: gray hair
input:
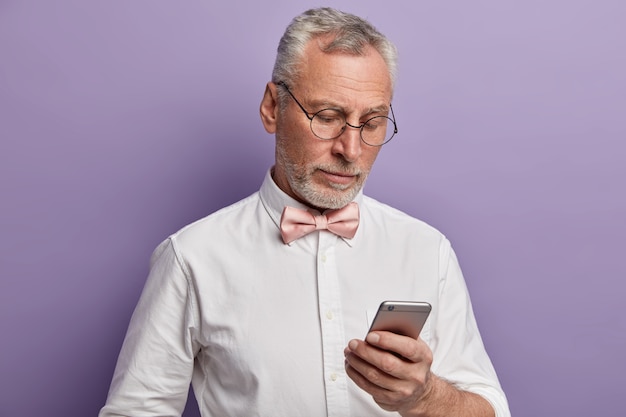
{"type": "Point", "coordinates": [351, 34]}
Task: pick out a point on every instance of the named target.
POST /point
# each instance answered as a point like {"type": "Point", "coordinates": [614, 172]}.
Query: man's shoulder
{"type": "Point", "coordinates": [387, 216]}
{"type": "Point", "coordinates": [238, 212]}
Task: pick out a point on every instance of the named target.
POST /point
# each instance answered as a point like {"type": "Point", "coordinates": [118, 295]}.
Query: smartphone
{"type": "Point", "coordinates": [402, 317]}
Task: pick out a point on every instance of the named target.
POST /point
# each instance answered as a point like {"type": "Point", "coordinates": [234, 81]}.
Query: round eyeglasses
{"type": "Point", "coordinates": [328, 124]}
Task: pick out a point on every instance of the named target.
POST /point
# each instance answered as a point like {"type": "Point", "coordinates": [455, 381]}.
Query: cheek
{"type": "Point", "coordinates": [369, 157]}
{"type": "Point", "coordinates": [302, 149]}
{"type": "Point", "coordinates": [292, 148]}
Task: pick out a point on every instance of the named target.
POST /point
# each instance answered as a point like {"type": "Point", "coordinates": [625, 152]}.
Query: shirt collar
{"type": "Point", "coordinates": [274, 200]}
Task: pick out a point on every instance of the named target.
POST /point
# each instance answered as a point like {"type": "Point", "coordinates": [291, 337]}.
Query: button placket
{"type": "Point", "coordinates": [332, 327]}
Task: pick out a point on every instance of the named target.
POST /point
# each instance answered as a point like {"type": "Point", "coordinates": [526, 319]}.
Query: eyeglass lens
{"type": "Point", "coordinates": [330, 124]}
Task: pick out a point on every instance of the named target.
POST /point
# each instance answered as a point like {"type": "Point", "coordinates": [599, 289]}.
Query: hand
{"type": "Point", "coordinates": [393, 369]}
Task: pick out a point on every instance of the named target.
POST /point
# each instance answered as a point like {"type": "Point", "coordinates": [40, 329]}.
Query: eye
{"type": "Point", "coordinates": [329, 117]}
{"type": "Point", "coordinates": [375, 123]}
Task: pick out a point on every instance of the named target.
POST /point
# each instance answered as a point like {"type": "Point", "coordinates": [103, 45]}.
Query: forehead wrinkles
{"type": "Point", "coordinates": [345, 93]}
{"type": "Point", "coordinates": [347, 103]}
{"type": "Point", "coordinates": [339, 80]}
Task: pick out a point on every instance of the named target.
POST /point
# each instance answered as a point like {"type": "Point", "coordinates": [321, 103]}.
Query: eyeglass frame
{"type": "Point", "coordinates": [311, 116]}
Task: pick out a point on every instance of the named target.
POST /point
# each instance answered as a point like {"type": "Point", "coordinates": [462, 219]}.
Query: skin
{"type": "Point", "coordinates": [326, 174]}
{"type": "Point", "coordinates": [405, 384]}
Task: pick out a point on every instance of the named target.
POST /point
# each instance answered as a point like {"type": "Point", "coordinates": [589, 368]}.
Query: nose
{"type": "Point", "coordinates": [349, 144]}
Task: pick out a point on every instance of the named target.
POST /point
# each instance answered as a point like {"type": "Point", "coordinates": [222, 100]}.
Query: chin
{"type": "Point", "coordinates": [330, 200]}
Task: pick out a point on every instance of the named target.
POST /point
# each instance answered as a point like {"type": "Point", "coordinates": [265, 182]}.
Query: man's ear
{"type": "Point", "coordinates": [269, 108]}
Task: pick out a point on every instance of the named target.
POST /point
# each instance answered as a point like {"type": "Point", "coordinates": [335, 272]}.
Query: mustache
{"type": "Point", "coordinates": [342, 168]}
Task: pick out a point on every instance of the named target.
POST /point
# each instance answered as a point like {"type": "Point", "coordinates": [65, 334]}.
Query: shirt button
{"type": "Point", "coordinates": [333, 377]}
{"type": "Point", "coordinates": [324, 258]}
{"type": "Point", "coordinates": [329, 315]}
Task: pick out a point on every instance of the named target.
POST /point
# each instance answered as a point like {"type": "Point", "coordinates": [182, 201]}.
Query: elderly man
{"type": "Point", "coordinates": [263, 305]}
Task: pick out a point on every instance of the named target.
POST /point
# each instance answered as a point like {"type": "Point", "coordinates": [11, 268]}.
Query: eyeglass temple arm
{"type": "Point", "coordinates": [286, 87]}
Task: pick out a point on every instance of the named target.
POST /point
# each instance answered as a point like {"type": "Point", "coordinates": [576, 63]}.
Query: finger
{"type": "Point", "coordinates": [381, 395]}
{"type": "Point", "coordinates": [387, 399]}
{"type": "Point", "coordinates": [392, 382]}
{"type": "Point", "coordinates": [373, 364]}
{"type": "Point", "coordinates": [408, 348]}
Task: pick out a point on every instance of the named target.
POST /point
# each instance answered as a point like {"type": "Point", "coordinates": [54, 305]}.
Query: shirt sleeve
{"type": "Point", "coordinates": [155, 365]}
{"type": "Point", "coordinates": [459, 355]}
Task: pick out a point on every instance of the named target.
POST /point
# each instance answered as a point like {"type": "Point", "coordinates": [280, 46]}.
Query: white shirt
{"type": "Point", "coordinates": [259, 327]}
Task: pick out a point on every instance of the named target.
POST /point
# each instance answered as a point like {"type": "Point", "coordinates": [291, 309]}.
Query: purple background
{"type": "Point", "coordinates": [120, 122]}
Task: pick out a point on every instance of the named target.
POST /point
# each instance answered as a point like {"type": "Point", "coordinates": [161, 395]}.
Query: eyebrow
{"type": "Point", "coordinates": [325, 104]}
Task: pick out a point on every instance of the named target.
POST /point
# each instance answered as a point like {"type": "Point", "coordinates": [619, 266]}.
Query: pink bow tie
{"type": "Point", "coordinates": [295, 223]}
